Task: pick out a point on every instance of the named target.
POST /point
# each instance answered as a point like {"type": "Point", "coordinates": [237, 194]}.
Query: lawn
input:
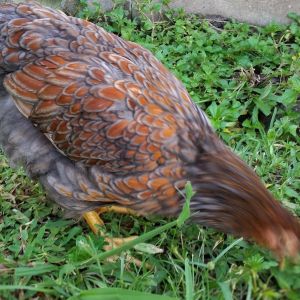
{"type": "Point", "coordinates": [247, 79]}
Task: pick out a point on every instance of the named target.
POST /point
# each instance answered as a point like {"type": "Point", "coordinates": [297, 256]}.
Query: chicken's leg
{"type": "Point", "coordinates": [95, 222]}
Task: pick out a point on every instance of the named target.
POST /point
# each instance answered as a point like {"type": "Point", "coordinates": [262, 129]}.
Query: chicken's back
{"type": "Point", "coordinates": [103, 102]}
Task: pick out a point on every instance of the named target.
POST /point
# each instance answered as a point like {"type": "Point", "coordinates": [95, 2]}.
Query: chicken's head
{"type": "Point", "coordinates": [231, 198]}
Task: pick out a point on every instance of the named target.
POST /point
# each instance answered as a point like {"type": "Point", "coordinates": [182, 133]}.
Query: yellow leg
{"type": "Point", "coordinates": [94, 221]}
{"type": "Point", "coordinates": [117, 209]}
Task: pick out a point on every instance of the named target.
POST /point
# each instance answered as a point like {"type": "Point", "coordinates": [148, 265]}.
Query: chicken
{"type": "Point", "coordinates": [99, 121]}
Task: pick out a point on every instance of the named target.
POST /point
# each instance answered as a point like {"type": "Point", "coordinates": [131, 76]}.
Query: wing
{"type": "Point", "coordinates": [99, 99]}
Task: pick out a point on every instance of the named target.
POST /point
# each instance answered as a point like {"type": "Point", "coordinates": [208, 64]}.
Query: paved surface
{"type": "Point", "coordinates": [253, 11]}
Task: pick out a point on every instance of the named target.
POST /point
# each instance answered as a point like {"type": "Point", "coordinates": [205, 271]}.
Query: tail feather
{"type": "Point", "coordinates": [26, 146]}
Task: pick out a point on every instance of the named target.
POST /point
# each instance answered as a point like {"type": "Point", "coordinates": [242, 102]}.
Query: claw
{"type": "Point", "coordinates": [94, 221]}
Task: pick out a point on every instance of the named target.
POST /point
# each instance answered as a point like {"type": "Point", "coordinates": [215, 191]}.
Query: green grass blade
{"type": "Point", "coordinates": [225, 290]}
{"type": "Point", "coordinates": [227, 249]}
{"type": "Point", "coordinates": [118, 294]}
{"type": "Point", "coordinates": [35, 270]}
{"type": "Point", "coordinates": [249, 291]}
{"type": "Point", "coordinates": [185, 213]}
{"type": "Point", "coordinates": [189, 284]}
{"type": "Point", "coordinates": [23, 287]}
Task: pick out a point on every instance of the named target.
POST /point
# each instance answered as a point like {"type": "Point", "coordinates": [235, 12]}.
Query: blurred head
{"type": "Point", "coordinates": [231, 198]}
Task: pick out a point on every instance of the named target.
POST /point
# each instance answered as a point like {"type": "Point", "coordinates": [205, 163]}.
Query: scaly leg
{"type": "Point", "coordinates": [94, 221]}
{"type": "Point", "coordinates": [117, 209]}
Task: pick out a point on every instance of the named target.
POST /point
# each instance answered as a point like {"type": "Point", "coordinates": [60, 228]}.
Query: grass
{"type": "Point", "coordinates": [247, 79]}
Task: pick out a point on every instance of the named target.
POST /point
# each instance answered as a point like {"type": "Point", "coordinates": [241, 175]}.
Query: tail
{"type": "Point", "coordinates": [21, 32]}
{"type": "Point", "coordinates": [22, 142]}
{"type": "Point", "coordinates": [26, 146]}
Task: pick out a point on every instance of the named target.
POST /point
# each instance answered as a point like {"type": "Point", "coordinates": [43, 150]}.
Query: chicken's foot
{"type": "Point", "coordinates": [95, 222]}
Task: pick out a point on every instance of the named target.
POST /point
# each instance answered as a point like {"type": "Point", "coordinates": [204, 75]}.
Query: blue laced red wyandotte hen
{"type": "Point", "coordinates": [99, 121]}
